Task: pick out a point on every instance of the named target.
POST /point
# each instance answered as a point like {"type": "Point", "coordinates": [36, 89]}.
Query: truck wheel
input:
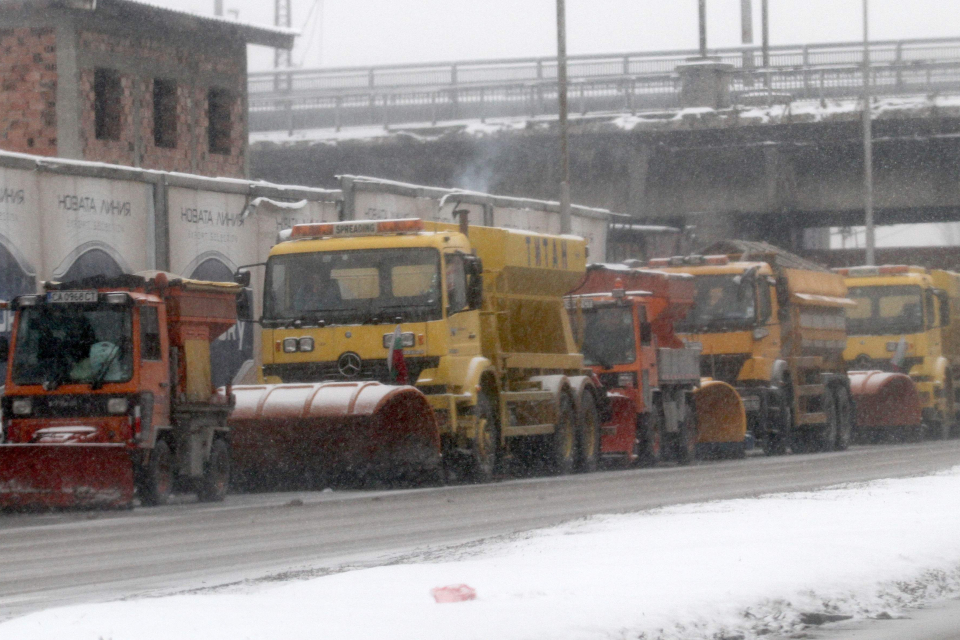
{"type": "Point", "coordinates": [486, 446]}
{"type": "Point", "coordinates": [844, 418]}
{"type": "Point", "coordinates": [776, 444]}
{"type": "Point", "coordinates": [686, 444]}
{"type": "Point", "coordinates": [825, 437]}
{"type": "Point", "coordinates": [588, 440]}
{"type": "Point", "coordinates": [216, 477]}
{"type": "Point", "coordinates": [649, 439]}
{"type": "Point", "coordinates": [564, 439]}
{"type": "Point", "coordinates": [158, 477]}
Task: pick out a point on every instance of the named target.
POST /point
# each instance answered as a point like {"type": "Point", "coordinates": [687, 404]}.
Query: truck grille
{"type": "Point", "coordinates": [328, 371]}
{"type": "Point", "coordinates": [724, 366]}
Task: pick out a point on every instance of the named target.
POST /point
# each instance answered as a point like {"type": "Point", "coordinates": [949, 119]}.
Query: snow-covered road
{"type": "Point", "coordinates": [730, 568]}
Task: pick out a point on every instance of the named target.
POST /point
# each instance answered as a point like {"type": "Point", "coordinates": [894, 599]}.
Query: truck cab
{"type": "Point", "coordinates": [331, 303]}
{"type": "Point", "coordinates": [901, 322]}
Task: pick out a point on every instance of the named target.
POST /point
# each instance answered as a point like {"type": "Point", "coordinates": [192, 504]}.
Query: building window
{"type": "Point", "coordinates": [107, 97]}
{"type": "Point", "coordinates": [219, 104]}
{"type": "Point", "coordinates": [165, 113]}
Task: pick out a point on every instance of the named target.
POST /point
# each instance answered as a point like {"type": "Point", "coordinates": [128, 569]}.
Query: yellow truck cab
{"type": "Point", "coordinates": [484, 332]}
{"type": "Point", "coordinates": [902, 322]}
{"type": "Point", "coordinates": [771, 324]}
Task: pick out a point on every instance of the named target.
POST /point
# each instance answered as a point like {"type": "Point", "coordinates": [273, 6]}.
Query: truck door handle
{"type": "Point", "coordinates": [164, 385]}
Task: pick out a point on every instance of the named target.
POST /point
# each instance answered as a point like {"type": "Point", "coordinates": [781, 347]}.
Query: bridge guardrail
{"type": "Point", "coordinates": [305, 98]}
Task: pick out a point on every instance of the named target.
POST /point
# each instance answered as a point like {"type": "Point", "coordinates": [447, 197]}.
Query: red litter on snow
{"type": "Point", "coordinates": [453, 593]}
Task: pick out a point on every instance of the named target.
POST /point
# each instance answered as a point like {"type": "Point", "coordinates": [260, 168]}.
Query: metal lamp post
{"type": "Point", "coordinates": [867, 147]}
{"type": "Point", "coordinates": [565, 225]}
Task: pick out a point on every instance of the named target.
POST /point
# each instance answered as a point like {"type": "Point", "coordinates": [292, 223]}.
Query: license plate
{"type": "Point", "coordinates": [72, 297]}
{"type": "Point", "coordinates": [751, 403]}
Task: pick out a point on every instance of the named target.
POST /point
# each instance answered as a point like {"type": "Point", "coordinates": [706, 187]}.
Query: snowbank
{"type": "Point", "coordinates": [723, 569]}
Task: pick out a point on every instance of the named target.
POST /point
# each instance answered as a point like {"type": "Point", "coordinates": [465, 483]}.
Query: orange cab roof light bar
{"type": "Point", "coordinates": [356, 228]}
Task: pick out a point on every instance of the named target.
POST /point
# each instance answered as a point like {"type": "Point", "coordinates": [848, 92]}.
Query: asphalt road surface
{"type": "Point", "coordinates": [67, 558]}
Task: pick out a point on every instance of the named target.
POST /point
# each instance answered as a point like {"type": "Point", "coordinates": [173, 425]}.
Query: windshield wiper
{"type": "Point", "coordinates": [97, 382]}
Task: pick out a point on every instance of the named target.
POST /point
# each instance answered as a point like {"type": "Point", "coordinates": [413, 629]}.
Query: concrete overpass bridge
{"type": "Point", "coordinates": [784, 158]}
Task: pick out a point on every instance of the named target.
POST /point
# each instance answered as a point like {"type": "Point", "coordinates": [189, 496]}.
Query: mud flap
{"type": "Point", "coordinates": [721, 420]}
{"type": "Point", "coordinates": [884, 400]}
{"type": "Point", "coordinates": [618, 435]}
{"type": "Point", "coordinates": [65, 475]}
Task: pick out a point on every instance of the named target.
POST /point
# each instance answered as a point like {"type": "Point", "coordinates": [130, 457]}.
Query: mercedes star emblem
{"type": "Point", "coordinates": [349, 364]}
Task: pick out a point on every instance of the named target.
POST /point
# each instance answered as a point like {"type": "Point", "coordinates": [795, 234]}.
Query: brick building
{"type": "Point", "coordinates": [128, 83]}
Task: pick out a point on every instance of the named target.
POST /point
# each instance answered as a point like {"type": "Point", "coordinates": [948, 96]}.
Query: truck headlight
{"type": "Point", "coordinates": [305, 343]}
{"type": "Point", "coordinates": [407, 340]}
{"type": "Point", "coordinates": [22, 406]}
{"type": "Point", "coordinates": [117, 405]}
{"type": "Point", "coordinates": [290, 345]}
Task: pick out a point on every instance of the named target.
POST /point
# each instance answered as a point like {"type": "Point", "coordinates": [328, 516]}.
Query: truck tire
{"type": "Point", "coordinates": [216, 475]}
{"type": "Point", "coordinates": [588, 434]}
{"type": "Point", "coordinates": [845, 418]}
{"type": "Point", "coordinates": [776, 444]}
{"type": "Point", "coordinates": [563, 442]}
{"type": "Point", "coordinates": [649, 438]}
{"type": "Point", "coordinates": [485, 450]}
{"type": "Point", "coordinates": [685, 447]}
{"type": "Point", "coordinates": [157, 482]}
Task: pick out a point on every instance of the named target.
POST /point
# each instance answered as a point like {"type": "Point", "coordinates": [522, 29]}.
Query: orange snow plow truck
{"type": "Point", "coordinates": [624, 319]}
{"type": "Point", "coordinates": [108, 393]}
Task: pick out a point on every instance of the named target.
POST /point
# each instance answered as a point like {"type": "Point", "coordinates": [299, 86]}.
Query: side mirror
{"type": "Point", "coordinates": [4, 348]}
{"type": "Point", "coordinates": [944, 306]}
{"type": "Point", "coordinates": [242, 278]}
{"type": "Point", "coordinates": [244, 306]}
{"type": "Point", "coordinates": [474, 268]}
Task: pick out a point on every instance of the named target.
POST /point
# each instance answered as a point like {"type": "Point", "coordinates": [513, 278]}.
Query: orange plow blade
{"type": "Point", "coordinates": [721, 421]}
{"type": "Point", "coordinates": [884, 400]}
{"type": "Point", "coordinates": [305, 434]}
{"type": "Point", "coordinates": [65, 475]}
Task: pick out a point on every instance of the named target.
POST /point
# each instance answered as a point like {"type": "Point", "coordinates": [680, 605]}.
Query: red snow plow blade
{"type": "Point", "coordinates": [65, 475]}
{"type": "Point", "coordinates": [721, 421]}
{"type": "Point", "coordinates": [884, 400]}
{"type": "Point", "coordinates": [296, 434]}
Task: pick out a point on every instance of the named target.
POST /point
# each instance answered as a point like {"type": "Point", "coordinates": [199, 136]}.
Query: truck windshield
{"type": "Point", "coordinates": [722, 303]}
{"type": "Point", "coordinates": [608, 336]}
{"type": "Point", "coordinates": [354, 287]}
{"type": "Point", "coordinates": [885, 310]}
{"type": "Point", "coordinates": [73, 343]}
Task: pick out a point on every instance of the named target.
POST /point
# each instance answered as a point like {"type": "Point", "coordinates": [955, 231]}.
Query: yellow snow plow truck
{"type": "Point", "coordinates": [390, 345]}
{"type": "Point", "coordinates": [772, 325]}
{"type": "Point", "coordinates": [904, 322]}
